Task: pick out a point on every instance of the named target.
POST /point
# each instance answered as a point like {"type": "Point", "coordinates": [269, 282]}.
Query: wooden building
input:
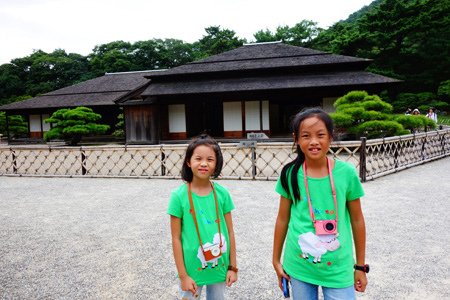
{"type": "Point", "coordinates": [98, 94]}
{"type": "Point", "coordinates": [256, 88]}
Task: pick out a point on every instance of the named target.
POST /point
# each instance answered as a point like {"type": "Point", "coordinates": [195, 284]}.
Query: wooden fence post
{"type": "Point", "coordinates": [83, 162]}
{"type": "Point", "coordinates": [163, 162]}
{"type": "Point", "coordinates": [362, 160]}
{"type": "Point", "coordinates": [14, 161]}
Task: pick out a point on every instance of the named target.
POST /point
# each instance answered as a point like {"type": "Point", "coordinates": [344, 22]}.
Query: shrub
{"type": "Point", "coordinates": [361, 114]}
{"type": "Point", "coordinates": [72, 124]}
{"type": "Point", "coordinates": [414, 123]}
{"type": "Point", "coordinates": [17, 125]}
{"type": "Point", "coordinates": [377, 129]}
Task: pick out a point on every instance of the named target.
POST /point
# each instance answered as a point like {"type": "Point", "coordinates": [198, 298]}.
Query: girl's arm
{"type": "Point", "coordinates": [231, 275]}
{"type": "Point", "coordinates": [281, 227]}
{"type": "Point", "coordinates": [359, 238]}
{"type": "Point", "coordinates": [187, 283]}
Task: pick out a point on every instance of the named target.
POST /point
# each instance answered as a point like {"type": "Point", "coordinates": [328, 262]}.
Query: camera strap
{"type": "Point", "coordinates": [192, 210]}
{"type": "Point", "coordinates": [333, 190]}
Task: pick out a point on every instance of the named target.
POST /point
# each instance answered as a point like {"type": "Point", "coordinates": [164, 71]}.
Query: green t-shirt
{"type": "Point", "coordinates": [201, 271]}
{"type": "Point", "coordinates": [322, 260]}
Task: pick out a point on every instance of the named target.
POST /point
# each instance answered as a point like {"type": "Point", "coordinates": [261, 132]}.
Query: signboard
{"type": "Point", "coordinates": [257, 135]}
{"type": "Point", "coordinates": [247, 144]}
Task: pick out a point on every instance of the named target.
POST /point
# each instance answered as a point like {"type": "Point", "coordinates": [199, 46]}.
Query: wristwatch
{"type": "Point", "coordinates": [232, 268]}
{"type": "Point", "coordinates": [364, 268]}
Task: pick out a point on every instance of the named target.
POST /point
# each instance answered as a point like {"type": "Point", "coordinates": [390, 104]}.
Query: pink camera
{"type": "Point", "coordinates": [325, 227]}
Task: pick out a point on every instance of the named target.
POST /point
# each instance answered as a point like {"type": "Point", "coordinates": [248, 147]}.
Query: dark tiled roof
{"type": "Point", "coordinates": [67, 100]}
{"type": "Point", "coordinates": [261, 50]}
{"type": "Point", "coordinates": [103, 90]}
{"type": "Point", "coordinates": [332, 79]}
{"type": "Point", "coordinates": [264, 67]}
{"type": "Point", "coordinates": [263, 56]}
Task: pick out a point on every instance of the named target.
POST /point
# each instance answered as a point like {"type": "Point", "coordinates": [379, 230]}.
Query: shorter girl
{"type": "Point", "coordinates": [202, 228]}
{"type": "Point", "coordinates": [319, 212]}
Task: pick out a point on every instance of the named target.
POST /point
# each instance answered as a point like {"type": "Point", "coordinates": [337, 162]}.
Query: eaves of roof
{"type": "Point", "coordinates": [303, 81]}
{"type": "Point", "coordinates": [69, 100]}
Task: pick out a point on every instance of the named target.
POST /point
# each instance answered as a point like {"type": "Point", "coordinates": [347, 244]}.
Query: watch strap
{"type": "Point", "coordinates": [365, 268]}
{"type": "Point", "coordinates": [232, 268]}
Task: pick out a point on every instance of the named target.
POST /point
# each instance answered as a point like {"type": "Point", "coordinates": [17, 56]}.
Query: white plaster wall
{"type": "Point", "coordinates": [177, 118]}
{"type": "Point", "coordinates": [232, 116]}
{"type": "Point", "coordinates": [35, 123]}
{"type": "Point", "coordinates": [45, 126]}
{"type": "Point", "coordinates": [252, 115]}
{"type": "Point", "coordinates": [328, 104]}
{"type": "Point", "coordinates": [265, 115]}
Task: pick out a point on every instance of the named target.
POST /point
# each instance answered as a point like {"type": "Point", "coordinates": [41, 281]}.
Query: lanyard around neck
{"type": "Point", "coordinates": [333, 190]}
{"type": "Point", "coordinates": [191, 203]}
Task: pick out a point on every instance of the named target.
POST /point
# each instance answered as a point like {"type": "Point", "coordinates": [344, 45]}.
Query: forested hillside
{"type": "Point", "coordinates": [407, 39]}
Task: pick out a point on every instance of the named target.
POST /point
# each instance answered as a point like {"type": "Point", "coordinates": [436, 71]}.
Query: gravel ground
{"type": "Point", "coordinates": [89, 238]}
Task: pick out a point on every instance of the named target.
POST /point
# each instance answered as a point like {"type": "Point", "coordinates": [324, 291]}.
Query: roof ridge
{"type": "Point", "coordinates": [257, 58]}
{"type": "Point", "coordinates": [81, 93]}
{"type": "Point", "coordinates": [133, 72]}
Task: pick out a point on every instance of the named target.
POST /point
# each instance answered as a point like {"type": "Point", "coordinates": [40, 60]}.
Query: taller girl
{"type": "Point", "coordinates": [202, 228]}
{"type": "Point", "coordinates": [319, 209]}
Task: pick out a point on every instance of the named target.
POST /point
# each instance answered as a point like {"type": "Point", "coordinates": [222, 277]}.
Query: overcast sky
{"type": "Point", "coordinates": [77, 26]}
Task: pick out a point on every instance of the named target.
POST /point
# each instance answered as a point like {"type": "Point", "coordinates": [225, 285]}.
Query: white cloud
{"type": "Point", "coordinates": [78, 26]}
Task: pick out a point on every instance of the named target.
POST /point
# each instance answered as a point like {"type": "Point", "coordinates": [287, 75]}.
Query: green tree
{"type": "Point", "coordinates": [301, 34]}
{"type": "Point", "coordinates": [10, 83]}
{"type": "Point", "coordinates": [422, 101]}
{"type": "Point", "coordinates": [17, 125]}
{"type": "Point", "coordinates": [72, 124]}
{"type": "Point", "coordinates": [120, 127]}
{"type": "Point", "coordinates": [43, 72]}
{"type": "Point", "coordinates": [407, 39]}
{"type": "Point", "coordinates": [361, 114]}
{"type": "Point", "coordinates": [111, 57]}
{"type": "Point", "coordinates": [3, 123]}
{"type": "Point", "coordinates": [263, 36]}
{"type": "Point", "coordinates": [444, 91]}
{"type": "Point", "coordinates": [216, 41]}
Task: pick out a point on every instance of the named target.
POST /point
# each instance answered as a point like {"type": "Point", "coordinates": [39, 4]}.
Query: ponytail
{"type": "Point", "coordinates": [289, 173]}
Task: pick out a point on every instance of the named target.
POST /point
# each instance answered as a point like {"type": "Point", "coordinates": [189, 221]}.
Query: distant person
{"type": "Point", "coordinates": [319, 217]}
{"type": "Point", "coordinates": [408, 111]}
{"type": "Point", "coordinates": [203, 240]}
{"type": "Point", "coordinates": [416, 112]}
{"type": "Point", "coordinates": [432, 114]}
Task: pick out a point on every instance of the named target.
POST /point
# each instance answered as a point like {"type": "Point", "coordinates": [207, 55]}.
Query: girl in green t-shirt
{"type": "Point", "coordinates": [201, 224]}
{"type": "Point", "coordinates": [319, 217]}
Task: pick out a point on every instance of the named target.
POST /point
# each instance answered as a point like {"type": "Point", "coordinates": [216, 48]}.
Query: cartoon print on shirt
{"type": "Point", "coordinates": [214, 251]}
{"type": "Point", "coordinates": [202, 214]}
{"type": "Point", "coordinates": [317, 245]}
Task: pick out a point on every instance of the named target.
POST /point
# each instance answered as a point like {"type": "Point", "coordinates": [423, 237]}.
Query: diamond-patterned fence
{"type": "Point", "coordinates": [261, 161]}
{"type": "Point", "coordinates": [388, 155]}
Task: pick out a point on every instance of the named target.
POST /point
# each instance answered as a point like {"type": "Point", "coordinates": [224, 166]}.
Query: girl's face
{"type": "Point", "coordinates": [314, 139]}
{"type": "Point", "coordinates": [202, 162]}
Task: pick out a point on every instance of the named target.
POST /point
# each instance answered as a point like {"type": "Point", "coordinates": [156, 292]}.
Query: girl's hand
{"type": "Point", "coordinates": [231, 278]}
{"type": "Point", "coordinates": [280, 273]}
{"type": "Point", "coordinates": [360, 281]}
{"type": "Point", "coordinates": [188, 284]}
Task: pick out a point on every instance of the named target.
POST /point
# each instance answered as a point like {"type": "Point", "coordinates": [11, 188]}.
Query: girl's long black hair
{"type": "Point", "coordinates": [290, 170]}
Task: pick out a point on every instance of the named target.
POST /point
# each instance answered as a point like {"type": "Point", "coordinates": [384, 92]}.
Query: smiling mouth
{"type": "Point", "coordinates": [203, 170]}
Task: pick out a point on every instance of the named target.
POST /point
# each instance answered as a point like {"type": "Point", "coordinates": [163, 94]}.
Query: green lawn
{"type": "Point", "coordinates": [444, 120]}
